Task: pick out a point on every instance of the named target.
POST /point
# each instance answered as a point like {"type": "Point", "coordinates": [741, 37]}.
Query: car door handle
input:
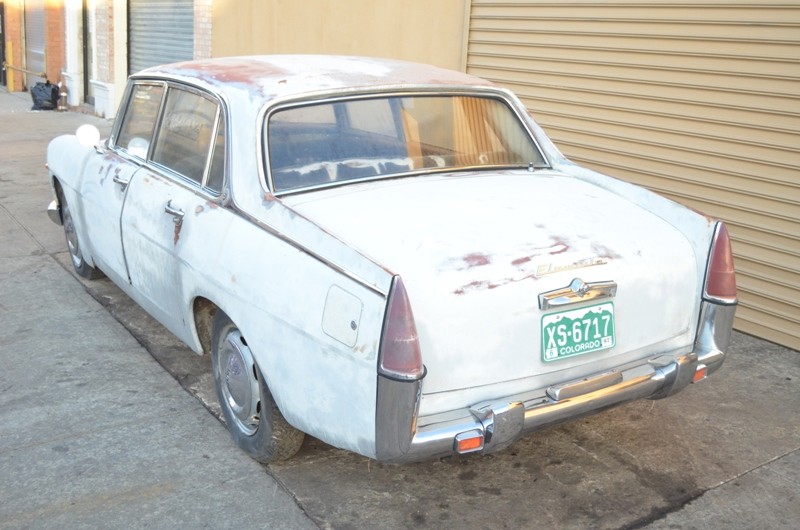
{"type": "Point", "coordinates": [176, 213]}
{"type": "Point", "coordinates": [121, 181]}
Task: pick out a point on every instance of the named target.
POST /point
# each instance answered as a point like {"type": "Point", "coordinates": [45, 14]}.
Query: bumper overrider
{"type": "Point", "coordinates": [402, 436]}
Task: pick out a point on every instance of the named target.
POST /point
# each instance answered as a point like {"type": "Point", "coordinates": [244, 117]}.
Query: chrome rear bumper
{"type": "Point", "coordinates": [407, 438]}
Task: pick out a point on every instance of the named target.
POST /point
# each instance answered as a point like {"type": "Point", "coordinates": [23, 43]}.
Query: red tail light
{"type": "Point", "coordinates": [400, 356]}
{"type": "Point", "coordinates": [721, 278]}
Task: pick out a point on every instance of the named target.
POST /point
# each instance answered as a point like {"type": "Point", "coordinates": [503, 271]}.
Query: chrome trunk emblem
{"type": "Point", "coordinates": [576, 292]}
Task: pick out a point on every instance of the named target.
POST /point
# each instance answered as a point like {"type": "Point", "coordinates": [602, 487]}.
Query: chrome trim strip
{"type": "Point", "coordinates": [584, 386]}
{"type": "Point", "coordinates": [714, 334]}
{"type": "Point", "coordinates": [576, 292]}
{"type": "Point", "coordinates": [499, 420]}
{"type": "Point", "coordinates": [397, 407]}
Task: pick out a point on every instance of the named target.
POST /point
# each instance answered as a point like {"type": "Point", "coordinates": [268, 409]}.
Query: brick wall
{"type": "Point", "coordinates": [54, 39]}
{"type": "Point", "coordinates": [13, 35]}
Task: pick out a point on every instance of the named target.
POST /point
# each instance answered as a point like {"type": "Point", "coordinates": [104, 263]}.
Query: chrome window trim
{"type": "Point", "coordinates": [315, 98]}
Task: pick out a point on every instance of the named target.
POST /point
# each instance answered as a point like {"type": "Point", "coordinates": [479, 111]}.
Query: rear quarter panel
{"type": "Point", "coordinates": [313, 330]}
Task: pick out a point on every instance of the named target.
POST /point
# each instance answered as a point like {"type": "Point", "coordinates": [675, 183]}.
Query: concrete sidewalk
{"type": "Point", "coordinates": [93, 432]}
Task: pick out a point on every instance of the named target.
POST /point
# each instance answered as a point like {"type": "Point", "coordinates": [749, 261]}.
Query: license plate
{"type": "Point", "coordinates": [578, 331]}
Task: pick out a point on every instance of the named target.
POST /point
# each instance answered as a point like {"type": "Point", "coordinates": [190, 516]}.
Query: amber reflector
{"type": "Point", "coordinates": [700, 374]}
{"type": "Point", "coordinates": [467, 445]}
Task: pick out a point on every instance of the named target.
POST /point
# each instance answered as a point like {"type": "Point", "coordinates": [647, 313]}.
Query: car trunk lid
{"type": "Point", "coordinates": [476, 250]}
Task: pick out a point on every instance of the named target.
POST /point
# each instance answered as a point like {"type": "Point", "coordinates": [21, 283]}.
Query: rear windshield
{"type": "Point", "coordinates": [335, 142]}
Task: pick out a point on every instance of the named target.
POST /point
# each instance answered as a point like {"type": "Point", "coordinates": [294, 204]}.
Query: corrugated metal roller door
{"type": "Point", "coordinates": [698, 101]}
{"type": "Point", "coordinates": [159, 32]}
{"type": "Point", "coordinates": [34, 41]}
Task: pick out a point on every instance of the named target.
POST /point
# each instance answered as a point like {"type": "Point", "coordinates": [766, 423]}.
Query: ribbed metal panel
{"type": "Point", "coordinates": [159, 32]}
{"type": "Point", "coordinates": [34, 41]}
{"type": "Point", "coordinates": [699, 101]}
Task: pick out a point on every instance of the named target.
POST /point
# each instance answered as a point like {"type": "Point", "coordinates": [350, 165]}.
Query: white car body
{"type": "Point", "coordinates": [487, 257]}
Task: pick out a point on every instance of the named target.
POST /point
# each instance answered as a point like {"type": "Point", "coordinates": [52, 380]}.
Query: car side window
{"type": "Point", "coordinates": [186, 135]}
{"type": "Point", "coordinates": [139, 121]}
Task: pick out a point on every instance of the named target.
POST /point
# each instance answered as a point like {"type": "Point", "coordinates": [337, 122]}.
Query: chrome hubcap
{"type": "Point", "coordinates": [239, 383]}
{"type": "Point", "coordinates": [72, 237]}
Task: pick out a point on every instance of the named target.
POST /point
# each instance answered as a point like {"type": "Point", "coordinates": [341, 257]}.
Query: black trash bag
{"type": "Point", "coordinates": [45, 96]}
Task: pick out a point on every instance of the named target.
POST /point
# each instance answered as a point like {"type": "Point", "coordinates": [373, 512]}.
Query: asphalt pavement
{"type": "Point", "coordinates": [106, 421]}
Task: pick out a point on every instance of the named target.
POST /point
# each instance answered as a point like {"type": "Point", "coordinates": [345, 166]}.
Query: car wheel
{"type": "Point", "coordinates": [73, 245]}
{"type": "Point", "coordinates": [252, 417]}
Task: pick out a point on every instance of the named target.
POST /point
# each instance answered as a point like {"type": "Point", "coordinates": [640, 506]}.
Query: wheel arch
{"type": "Point", "coordinates": [203, 312]}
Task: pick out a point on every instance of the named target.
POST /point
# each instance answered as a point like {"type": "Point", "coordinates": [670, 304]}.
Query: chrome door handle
{"type": "Point", "coordinates": [121, 181]}
{"type": "Point", "coordinates": [176, 213]}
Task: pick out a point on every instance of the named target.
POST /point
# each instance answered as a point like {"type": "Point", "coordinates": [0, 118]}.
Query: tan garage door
{"type": "Point", "coordinates": [698, 101]}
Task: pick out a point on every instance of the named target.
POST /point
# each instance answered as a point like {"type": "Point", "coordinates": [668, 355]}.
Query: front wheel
{"type": "Point", "coordinates": [73, 245]}
{"type": "Point", "coordinates": [252, 417]}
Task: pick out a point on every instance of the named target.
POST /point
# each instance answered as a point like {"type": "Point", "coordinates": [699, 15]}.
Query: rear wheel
{"type": "Point", "coordinates": [252, 417]}
{"type": "Point", "coordinates": [73, 245]}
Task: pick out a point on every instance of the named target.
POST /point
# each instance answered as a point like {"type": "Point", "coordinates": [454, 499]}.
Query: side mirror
{"type": "Point", "coordinates": [88, 135]}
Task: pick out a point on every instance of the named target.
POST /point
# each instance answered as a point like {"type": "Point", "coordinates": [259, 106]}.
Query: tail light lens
{"type": "Point", "coordinates": [400, 356]}
{"type": "Point", "coordinates": [721, 278]}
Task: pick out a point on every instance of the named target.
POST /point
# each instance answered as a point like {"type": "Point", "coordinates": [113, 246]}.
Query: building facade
{"type": "Point", "coordinates": [698, 101]}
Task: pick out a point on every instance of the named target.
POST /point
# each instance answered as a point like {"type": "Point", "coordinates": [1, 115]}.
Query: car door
{"type": "Point", "coordinates": [109, 173]}
{"type": "Point", "coordinates": [162, 222]}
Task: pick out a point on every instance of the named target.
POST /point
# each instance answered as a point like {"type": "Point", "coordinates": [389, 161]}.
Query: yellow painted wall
{"type": "Point", "coordinates": [429, 31]}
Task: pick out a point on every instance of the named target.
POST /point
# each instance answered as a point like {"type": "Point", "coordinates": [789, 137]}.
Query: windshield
{"type": "Point", "coordinates": [335, 142]}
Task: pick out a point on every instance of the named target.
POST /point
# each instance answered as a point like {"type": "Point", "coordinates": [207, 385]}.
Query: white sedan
{"type": "Point", "coordinates": [391, 257]}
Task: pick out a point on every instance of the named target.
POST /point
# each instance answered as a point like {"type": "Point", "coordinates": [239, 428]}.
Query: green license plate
{"type": "Point", "coordinates": [578, 331]}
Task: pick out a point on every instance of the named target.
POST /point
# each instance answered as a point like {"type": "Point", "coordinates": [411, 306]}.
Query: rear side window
{"type": "Point", "coordinates": [140, 119]}
{"type": "Point", "coordinates": [186, 134]}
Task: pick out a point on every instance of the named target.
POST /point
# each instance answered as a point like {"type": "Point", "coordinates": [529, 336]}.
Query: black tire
{"type": "Point", "coordinates": [252, 417]}
{"type": "Point", "coordinates": [73, 245]}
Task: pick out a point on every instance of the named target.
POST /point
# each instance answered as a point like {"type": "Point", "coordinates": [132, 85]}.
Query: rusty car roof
{"type": "Point", "coordinates": [267, 77]}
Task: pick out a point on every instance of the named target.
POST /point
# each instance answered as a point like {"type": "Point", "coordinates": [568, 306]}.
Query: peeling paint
{"type": "Point", "coordinates": [604, 252]}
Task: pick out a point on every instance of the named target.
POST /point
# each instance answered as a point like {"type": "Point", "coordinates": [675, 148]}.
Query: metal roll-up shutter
{"type": "Point", "coordinates": [698, 101]}
{"type": "Point", "coordinates": [34, 41]}
{"type": "Point", "coordinates": [159, 32]}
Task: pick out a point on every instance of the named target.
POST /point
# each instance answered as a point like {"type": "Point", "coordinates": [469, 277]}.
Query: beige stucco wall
{"type": "Point", "coordinates": [417, 30]}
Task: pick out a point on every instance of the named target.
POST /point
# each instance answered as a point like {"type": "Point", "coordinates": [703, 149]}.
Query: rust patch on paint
{"type": "Point", "coordinates": [199, 209]}
{"type": "Point", "coordinates": [177, 233]}
{"type": "Point", "coordinates": [522, 261]}
{"type": "Point", "coordinates": [476, 285]}
{"type": "Point", "coordinates": [486, 285]}
{"type": "Point", "coordinates": [476, 259]}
